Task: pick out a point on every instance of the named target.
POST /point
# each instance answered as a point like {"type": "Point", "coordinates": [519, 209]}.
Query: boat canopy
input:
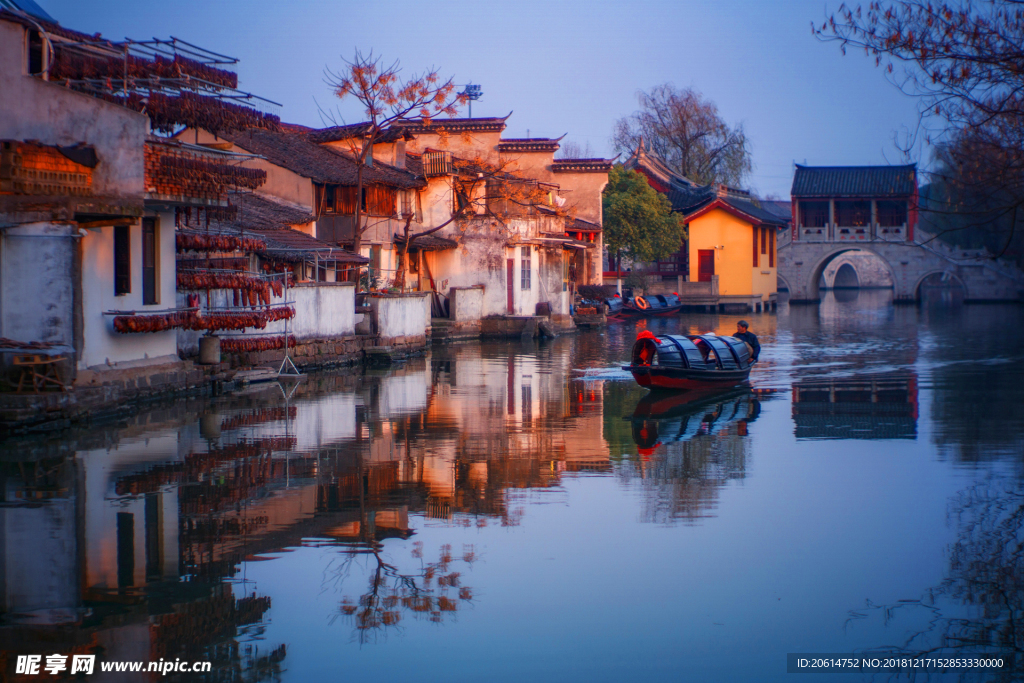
{"type": "Point", "coordinates": [669, 351]}
{"type": "Point", "coordinates": [701, 352]}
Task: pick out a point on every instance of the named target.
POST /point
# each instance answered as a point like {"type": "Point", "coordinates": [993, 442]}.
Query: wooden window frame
{"type": "Point", "coordinates": [755, 230]}
{"type": "Point", "coordinates": [525, 269]}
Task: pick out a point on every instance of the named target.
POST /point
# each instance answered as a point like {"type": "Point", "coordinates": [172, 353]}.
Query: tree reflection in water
{"type": "Point", "coordinates": [431, 590]}
{"type": "Point", "coordinates": [985, 579]}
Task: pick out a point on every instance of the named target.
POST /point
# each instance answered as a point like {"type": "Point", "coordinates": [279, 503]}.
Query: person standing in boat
{"type": "Point", "coordinates": [744, 334]}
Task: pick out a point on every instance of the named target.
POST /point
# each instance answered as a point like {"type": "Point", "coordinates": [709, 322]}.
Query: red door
{"type": "Point", "coordinates": [705, 264]}
{"type": "Point", "coordinates": [509, 280]}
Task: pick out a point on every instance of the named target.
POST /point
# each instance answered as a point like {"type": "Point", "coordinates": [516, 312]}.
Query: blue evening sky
{"type": "Point", "coordinates": [560, 66]}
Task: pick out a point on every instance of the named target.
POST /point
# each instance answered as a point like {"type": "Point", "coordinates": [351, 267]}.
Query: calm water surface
{"type": "Point", "coordinates": [514, 512]}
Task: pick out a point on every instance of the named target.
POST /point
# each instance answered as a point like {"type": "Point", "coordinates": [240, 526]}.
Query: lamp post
{"type": "Point", "coordinates": [472, 93]}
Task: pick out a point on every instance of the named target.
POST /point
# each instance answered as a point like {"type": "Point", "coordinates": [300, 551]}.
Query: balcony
{"type": "Point", "coordinates": [852, 233]}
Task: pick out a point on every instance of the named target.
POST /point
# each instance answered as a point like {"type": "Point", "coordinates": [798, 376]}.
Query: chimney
{"type": "Point", "coordinates": [400, 153]}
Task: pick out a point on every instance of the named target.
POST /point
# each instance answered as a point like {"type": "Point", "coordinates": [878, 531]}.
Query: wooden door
{"type": "Point", "coordinates": [705, 264]}
{"type": "Point", "coordinates": [509, 282]}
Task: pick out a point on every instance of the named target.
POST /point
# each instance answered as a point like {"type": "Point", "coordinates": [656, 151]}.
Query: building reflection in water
{"type": "Point", "coordinates": [131, 543]}
{"type": "Point", "coordinates": [690, 445]}
{"type": "Point", "coordinates": [867, 406]}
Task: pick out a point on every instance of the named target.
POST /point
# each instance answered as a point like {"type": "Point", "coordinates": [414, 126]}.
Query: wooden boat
{"type": "Point", "coordinates": [688, 362]}
{"type": "Point", "coordinates": [654, 306]}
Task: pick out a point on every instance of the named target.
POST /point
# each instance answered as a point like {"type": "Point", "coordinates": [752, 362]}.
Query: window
{"type": "Point", "coordinates": [524, 269]}
{"type": "Point", "coordinates": [854, 214]}
{"type": "Point", "coordinates": [892, 214]}
{"type": "Point", "coordinates": [328, 202]}
{"type": "Point", "coordinates": [814, 214]}
{"type": "Point", "coordinates": [755, 230]}
{"type": "Point", "coordinates": [150, 251]}
{"type": "Point", "coordinates": [380, 201]}
{"type": "Point", "coordinates": [408, 203]}
{"type": "Point", "coordinates": [771, 247]}
{"type": "Point", "coordinates": [764, 239]}
{"type": "Point", "coordinates": [35, 52]}
{"type": "Point", "coordinates": [122, 261]}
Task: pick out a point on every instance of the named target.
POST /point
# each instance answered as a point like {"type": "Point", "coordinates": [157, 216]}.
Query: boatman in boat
{"type": "Point", "coordinates": [744, 334]}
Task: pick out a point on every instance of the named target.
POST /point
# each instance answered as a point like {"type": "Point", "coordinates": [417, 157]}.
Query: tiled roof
{"type": "Point", "coordinates": [654, 167]}
{"type": "Point", "coordinates": [854, 181]}
{"type": "Point", "coordinates": [689, 199]}
{"type": "Point", "coordinates": [494, 124]}
{"type": "Point", "coordinates": [581, 165]}
{"type": "Point", "coordinates": [272, 220]}
{"type": "Point", "coordinates": [297, 153]}
{"type": "Point", "coordinates": [529, 144]}
{"type": "Point", "coordinates": [428, 243]}
{"type": "Point", "coordinates": [782, 209]}
{"type": "Point", "coordinates": [580, 225]}
{"type": "Point", "coordinates": [261, 211]}
{"type": "Point", "coordinates": [699, 198]}
{"type": "Point", "coordinates": [352, 130]}
{"type": "Point", "coordinates": [754, 211]}
{"type": "Point", "coordinates": [286, 244]}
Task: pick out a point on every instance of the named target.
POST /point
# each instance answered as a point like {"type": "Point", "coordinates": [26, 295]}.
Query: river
{"type": "Point", "coordinates": [520, 512]}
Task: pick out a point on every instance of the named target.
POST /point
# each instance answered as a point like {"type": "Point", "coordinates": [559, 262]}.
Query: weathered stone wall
{"type": "Point", "coordinates": [399, 316]}
{"type": "Point", "coordinates": [34, 109]}
{"type": "Point", "coordinates": [323, 310]}
{"type": "Point", "coordinates": [466, 303]}
{"type": "Point", "coordinates": [36, 285]}
{"type": "Point", "coordinates": [109, 392]}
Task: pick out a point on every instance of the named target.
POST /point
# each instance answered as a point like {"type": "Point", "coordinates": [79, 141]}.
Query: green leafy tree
{"type": "Point", "coordinates": [638, 220]}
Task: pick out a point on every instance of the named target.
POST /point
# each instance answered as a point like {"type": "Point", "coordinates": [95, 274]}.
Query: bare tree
{"type": "Point", "coordinates": [387, 99]}
{"type": "Point", "coordinates": [686, 131]}
{"type": "Point", "coordinates": [479, 187]}
{"type": "Point", "coordinates": [964, 61]}
{"type": "Point", "coordinates": [574, 150]}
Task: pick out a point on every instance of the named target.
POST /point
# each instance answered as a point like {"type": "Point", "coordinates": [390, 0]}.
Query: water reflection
{"type": "Point", "coordinates": [868, 406]}
{"type": "Point", "coordinates": [979, 607]}
{"type": "Point", "coordinates": [401, 489]}
{"type": "Point", "coordinates": [690, 444]}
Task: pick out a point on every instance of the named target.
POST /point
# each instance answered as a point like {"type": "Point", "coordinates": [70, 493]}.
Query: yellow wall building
{"type": "Point", "coordinates": [734, 239]}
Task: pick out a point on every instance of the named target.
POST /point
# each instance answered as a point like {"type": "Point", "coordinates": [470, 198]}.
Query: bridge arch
{"type": "Point", "coordinates": [784, 283]}
{"type": "Point", "coordinates": [946, 275]}
{"type": "Point", "coordinates": [816, 273]}
{"type": "Point", "coordinates": [846, 276]}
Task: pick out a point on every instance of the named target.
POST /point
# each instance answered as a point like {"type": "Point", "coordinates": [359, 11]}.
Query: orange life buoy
{"type": "Point", "coordinates": [641, 303]}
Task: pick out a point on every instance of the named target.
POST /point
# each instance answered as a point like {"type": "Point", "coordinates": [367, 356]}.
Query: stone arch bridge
{"type": "Point", "coordinates": [801, 265]}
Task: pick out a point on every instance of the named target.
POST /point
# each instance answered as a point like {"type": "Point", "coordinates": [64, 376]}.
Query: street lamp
{"type": "Point", "coordinates": [472, 93]}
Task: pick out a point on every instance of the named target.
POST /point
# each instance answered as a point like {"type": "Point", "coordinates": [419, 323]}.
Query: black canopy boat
{"type": "Point", "coordinates": [692, 361]}
{"type": "Point", "coordinates": [654, 306]}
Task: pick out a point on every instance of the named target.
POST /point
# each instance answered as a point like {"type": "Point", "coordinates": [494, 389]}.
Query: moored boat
{"type": "Point", "coordinates": [654, 306]}
{"type": "Point", "coordinates": [692, 361]}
